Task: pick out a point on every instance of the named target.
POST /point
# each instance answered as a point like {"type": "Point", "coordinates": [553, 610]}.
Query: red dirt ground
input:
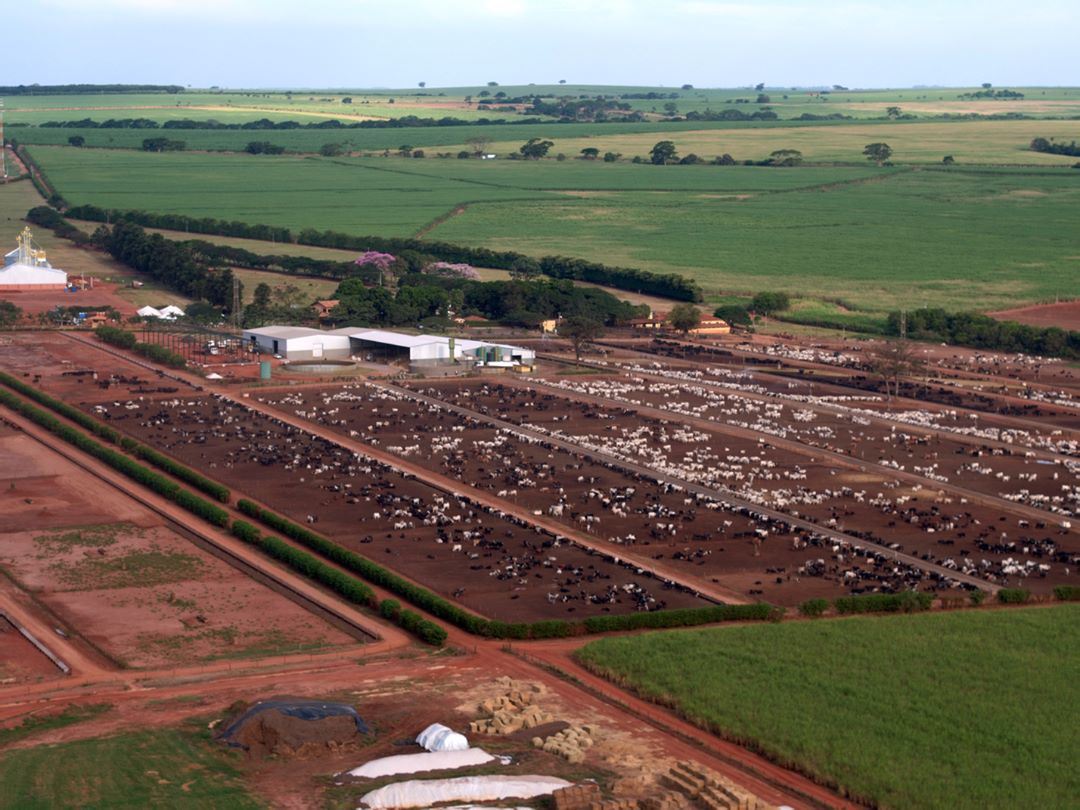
{"type": "Point", "coordinates": [131, 586]}
{"type": "Point", "coordinates": [1064, 315]}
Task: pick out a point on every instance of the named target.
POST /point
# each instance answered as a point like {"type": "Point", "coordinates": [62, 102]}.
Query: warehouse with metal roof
{"type": "Point", "coordinates": [299, 343]}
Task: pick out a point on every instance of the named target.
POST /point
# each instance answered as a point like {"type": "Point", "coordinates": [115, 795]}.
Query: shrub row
{"type": "Point", "coordinates": [983, 332]}
{"type": "Point", "coordinates": [118, 461]}
{"type": "Point", "coordinates": [154, 352]}
{"type": "Point", "coordinates": [668, 285]}
{"type": "Point", "coordinates": [685, 617]}
{"type": "Point", "coordinates": [84, 420]}
{"type": "Point", "coordinates": [437, 606]}
{"type": "Point", "coordinates": [1067, 593]}
{"type": "Point", "coordinates": [814, 607]}
{"type": "Point", "coordinates": [906, 602]}
{"type": "Point", "coordinates": [1013, 596]}
{"type": "Point", "coordinates": [45, 217]}
{"type": "Point", "coordinates": [339, 582]}
{"type": "Point", "coordinates": [370, 571]}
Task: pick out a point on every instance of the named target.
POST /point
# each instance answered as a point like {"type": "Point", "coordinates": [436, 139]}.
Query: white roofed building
{"type": "Point", "coordinates": [303, 343]}
{"type": "Point", "coordinates": [27, 269]}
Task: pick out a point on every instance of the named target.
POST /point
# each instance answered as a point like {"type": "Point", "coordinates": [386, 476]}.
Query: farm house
{"type": "Point", "coordinates": [26, 269]}
{"type": "Point", "coordinates": [302, 343]}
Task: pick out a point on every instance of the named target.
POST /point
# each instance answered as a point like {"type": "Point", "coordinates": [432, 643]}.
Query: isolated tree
{"type": "Point", "coordinates": [261, 296]}
{"type": "Point", "coordinates": [663, 152]}
{"type": "Point", "coordinates": [684, 317]}
{"type": "Point", "coordinates": [611, 157]}
{"type": "Point", "coordinates": [766, 303]}
{"type": "Point", "coordinates": [423, 84]}
{"type": "Point", "coordinates": [524, 268]}
{"type": "Point", "coordinates": [763, 99]}
{"type": "Point", "coordinates": [332, 149]}
{"type": "Point", "coordinates": [580, 330]}
{"type": "Point", "coordinates": [892, 112]}
{"type": "Point", "coordinates": [877, 152]}
{"type": "Point", "coordinates": [987, 85]}
{"type": "Point", "coordinates": [690, 160]}
{"type": "Point", "coordinates": [347, 100]}
{"type": "Point", "coordinates": [724, 160]}
{"type": "Point", "coordinates": [493, 84]}
{"type": "Point", "coordinates": [891, 361]}
{"type": "Point", "coordinates": [671, 108]}
{"type": "Point", "coordinates": [535, 148]}
{"type": "Point", "coordinates": [479, 144]}
{"type": "Point", "coordinates": [948, 160]}
{"type": "Point", "coordinates": [590, 153]}
{"type": "Point", "coordinates": [688, 87]}
{"type": "Point", "coordinates": [785, 157]}
{"type": "Point", "coordinates": [562, 81]}
{"type": "Point", "coordinates": [760, 86]}
{"type": "Point", "coordinates": [76, 140]}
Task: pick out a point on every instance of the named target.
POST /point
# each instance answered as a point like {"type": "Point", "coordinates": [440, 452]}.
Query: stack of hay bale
{"type": "Point", "coordinates": [510, 712]}
{"type": "Point", "coordinates": [570, 743]}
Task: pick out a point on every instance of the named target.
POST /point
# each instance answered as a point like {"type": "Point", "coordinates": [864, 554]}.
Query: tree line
{"type": "Point", "coordinates": [1055, 148]}
{"type": "Point", "coordinates": [666, 285]}
{"type": "Point", "coordinates": [983, 332]}
{"type": "Point", "coordinates": [78, 89]}
{"type": "Point", "coordinates": [168, 262]}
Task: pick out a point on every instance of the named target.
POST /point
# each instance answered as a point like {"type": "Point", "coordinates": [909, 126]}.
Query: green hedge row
{"type": "Point", "coordinates": [155, 352]}
{"type": "Point", "coordinates": [814, 607]}
{"type": "Point", "coordinates": [1067, 593]}
{"type": "Point", "coordinates": [1013, 596]}
{"type": "Point", "coordinates": [339, 582]}
{"type": "Point", "coordinates": [113, 436]}
{"type": "Point", "coordinates": [118, 461]}
{"type": "Point", "coordinates": [906, 602]}
{"type": "Point", "coordinates": [437, 606]}
{"type": "Point", "coordinates": [686, 617]}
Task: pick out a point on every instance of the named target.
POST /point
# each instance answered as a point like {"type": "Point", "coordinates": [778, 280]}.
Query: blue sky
{"type": "Point", "coordinates": [357, 43]}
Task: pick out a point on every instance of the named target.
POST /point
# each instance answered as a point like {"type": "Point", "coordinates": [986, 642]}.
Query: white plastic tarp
{"type": "Point", "coordinates": [418, 763]}
{"type": "Point", "coordinates": [438, 737]}
{"type": "Point", "coordinates": [425, 793]}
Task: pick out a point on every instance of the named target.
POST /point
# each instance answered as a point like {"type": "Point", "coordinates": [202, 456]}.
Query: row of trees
{"type": "Point", "coordinates": [666, 285]}
{"type": "Point", "coordinates": [1055, 148]}
{"type": "Point", "coordinates": [167, 262]}
{"type": "Point", "coordinates": [982, 332]}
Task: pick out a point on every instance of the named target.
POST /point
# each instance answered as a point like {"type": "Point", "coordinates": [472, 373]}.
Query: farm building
{"type": "Point", "coordinates": [302, 343]}
{"type": "Point", "coordinates": [27, 269]}
{"type": "Point", "coordinates": [168, 313]}
{"type": "Point", "coordinates": [711, 326]}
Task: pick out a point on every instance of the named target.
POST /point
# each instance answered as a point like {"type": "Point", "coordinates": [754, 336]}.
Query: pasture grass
{"type": "Point", "coordinates": [965, 709]}
{"type": "Point", "coordinates": [161, 768]}
{"type": "Point", "coordinates": [69, 715]}
{"type": "Point", "coordinates": [877, 239]}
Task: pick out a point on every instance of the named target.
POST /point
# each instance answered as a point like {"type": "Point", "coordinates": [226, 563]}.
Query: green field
{"type": "Point", "coordinates": [169, 768]}
{"type": "Point", "coordinates": [947, 710]}
{"type": "Point", "coordinates": [869, 239]}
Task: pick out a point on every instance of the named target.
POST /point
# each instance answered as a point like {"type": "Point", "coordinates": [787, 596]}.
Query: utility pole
{"type": "Point", "coordinates": [236, 301]}
{"type": "Point", "coordinates": [3, 145]}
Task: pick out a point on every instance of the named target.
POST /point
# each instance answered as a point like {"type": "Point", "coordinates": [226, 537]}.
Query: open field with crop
{"type": "Point", "coordinates": [168, 768]}
{"type": "Point", "coordinates": [872, 239]}
{"type": "Point", "coordinates": [945, 710]}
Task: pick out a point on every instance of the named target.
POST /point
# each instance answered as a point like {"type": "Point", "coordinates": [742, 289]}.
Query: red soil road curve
{"type": "Point", "coordinates": [1064, 315]}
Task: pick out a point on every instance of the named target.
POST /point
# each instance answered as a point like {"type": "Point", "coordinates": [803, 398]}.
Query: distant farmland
{"type": "Point", "coordinates": [874, 239]}
{"type": "Point", "coordinates": [949, 710]}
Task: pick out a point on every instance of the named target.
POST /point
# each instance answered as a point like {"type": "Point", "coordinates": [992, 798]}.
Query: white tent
{"type": "Point", "coordinates": [438, 737]}
{"type": "Point", "coordinates": [172, 312]}
{"type": "Point", "coordinates": [148, 312]}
